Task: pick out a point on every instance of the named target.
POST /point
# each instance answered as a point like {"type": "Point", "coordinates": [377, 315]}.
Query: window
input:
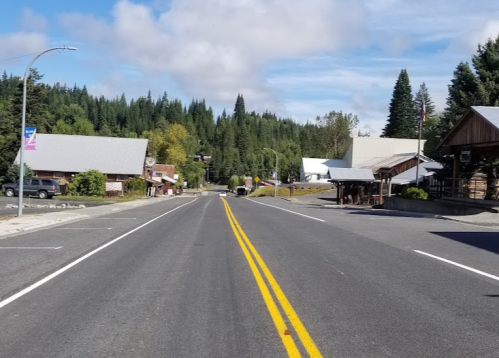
{"type": "Point", "coordinates": [35, 181]}
{"type": "Point", "coordinates": [47, 182]}
{"type": "Point", "coordinates": [122, 177]}
{"type": "Point", "coordinates": [58, 175]}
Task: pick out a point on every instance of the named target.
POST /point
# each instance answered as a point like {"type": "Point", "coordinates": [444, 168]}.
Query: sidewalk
{"type": "Point", "coordinates": [482, 219]}
{"type": "Point", "coordinates": [32, 222]}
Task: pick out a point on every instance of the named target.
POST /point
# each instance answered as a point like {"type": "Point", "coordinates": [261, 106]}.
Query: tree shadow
{"type": "Point", "coordinates": [483, 240]}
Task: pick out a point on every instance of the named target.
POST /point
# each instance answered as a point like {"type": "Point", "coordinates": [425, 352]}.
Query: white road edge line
{"type": "Point", "coordinates": [68, 266]}
{"type": "Point", "coordinates": [289, 211]}
{"type": "Point", "coordinates": [30, 248]}
{"type": "Point", "coordinates": [460, 265]}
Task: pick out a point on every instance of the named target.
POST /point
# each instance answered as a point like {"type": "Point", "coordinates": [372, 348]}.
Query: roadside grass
{"type": "Point", "coordinates": [269, 191]}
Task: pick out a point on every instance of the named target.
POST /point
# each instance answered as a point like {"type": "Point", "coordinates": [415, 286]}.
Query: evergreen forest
{"type": "Point", "coordinates": [236, 140]}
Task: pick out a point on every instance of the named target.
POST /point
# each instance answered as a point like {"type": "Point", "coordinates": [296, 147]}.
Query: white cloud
{"type": "Point", "coordinates": [293, 57]}
{"type": "Point", "coordinates": [216, 49]}
{"type": "Point", "coordinates": [32, 22]}
{"type": "Point", "coordinates": [22, 43]}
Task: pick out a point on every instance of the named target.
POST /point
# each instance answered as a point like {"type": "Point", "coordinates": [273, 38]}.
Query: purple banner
{"type": "Point", "coordinates": [30, 138]}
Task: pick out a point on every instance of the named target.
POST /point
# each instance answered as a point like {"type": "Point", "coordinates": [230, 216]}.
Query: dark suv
{"type": "Point", "coordinates": [43, 188]}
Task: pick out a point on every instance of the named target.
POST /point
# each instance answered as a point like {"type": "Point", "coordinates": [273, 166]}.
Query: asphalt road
{"type": "Point", "coordinates": [256, 278]}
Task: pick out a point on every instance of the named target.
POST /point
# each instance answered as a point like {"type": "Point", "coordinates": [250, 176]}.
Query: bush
{"type": "Point", "coordinates": [91, 183]}
{"type": "Point", "coordinates": [414, 193]}
{"type": "Point", "coordinates": [233, 182]}
{"type": "Point", "coordinates": [135, 186]}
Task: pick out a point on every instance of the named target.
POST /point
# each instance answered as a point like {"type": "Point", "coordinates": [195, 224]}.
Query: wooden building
{"type": "Point", "coordinates": [475, 134]}
{"type": "Point", "coordinates": [61, 157]}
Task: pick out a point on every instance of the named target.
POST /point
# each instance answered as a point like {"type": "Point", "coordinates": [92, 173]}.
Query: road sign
{"type": "Point", "coordinates": [257, 179]}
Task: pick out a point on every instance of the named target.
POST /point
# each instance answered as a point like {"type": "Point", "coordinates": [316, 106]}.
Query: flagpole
{"type": "Point", "coordinates": [423, 114]}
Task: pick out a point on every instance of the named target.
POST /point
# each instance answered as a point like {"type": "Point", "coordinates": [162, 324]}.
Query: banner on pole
{"type": "Point", "coordinates": [273, 175]}
{"type": "Point", "coordinates": [30, 138]}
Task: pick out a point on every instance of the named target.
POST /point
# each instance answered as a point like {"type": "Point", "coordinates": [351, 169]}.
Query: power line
{"type": "Point", "coordinates": [15, 58]}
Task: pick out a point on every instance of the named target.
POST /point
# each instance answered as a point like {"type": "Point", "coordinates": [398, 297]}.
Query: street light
{"type": "Point", "coordinates": [21, 152]}
{"type": "Point", "coordinates": [276, 160]}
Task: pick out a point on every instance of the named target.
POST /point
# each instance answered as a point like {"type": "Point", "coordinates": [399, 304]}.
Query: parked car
{"type": "Point", "coordinates": [43, 188]}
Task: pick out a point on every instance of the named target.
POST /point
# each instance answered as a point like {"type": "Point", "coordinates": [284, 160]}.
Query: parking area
{"type": "Point", "coordinates": [6, 210]}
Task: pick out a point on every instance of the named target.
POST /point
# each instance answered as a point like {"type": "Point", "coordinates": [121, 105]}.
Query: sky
{"type": "Point", "coordinates": [298, 59]}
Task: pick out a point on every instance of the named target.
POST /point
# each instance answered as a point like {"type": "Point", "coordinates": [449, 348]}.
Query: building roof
{"type": "Point", "coordinates": [75, 154]}
{"type": "Point", "coordinates": [489, 113]}
{"type": "Point", "coordinates": [409, 176]}
{"type": "Point", "coordinates": [387, 162]}
{"type": "Point", "coordinates": [479, 126]}
{"type": "Point", "coordinates": [167, 178]}
{"type": "Point", "coordinates": [320, 165]}
{"type": "Point", "coordinates": [350, 174]}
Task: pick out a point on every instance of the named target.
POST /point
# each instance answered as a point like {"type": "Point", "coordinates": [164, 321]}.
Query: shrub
{"type": "Point", "coordinates": [135, 186]}
{"type": "Point", "coordinates": [90, 183]}
{"type": "Point", "coordinates": [414, 193]}
{"type": "Point", "coordinates": [233, 182]}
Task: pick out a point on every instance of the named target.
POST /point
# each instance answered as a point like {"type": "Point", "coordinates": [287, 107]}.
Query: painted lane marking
{"type": "Point", "coordinates": [68, 266]}
{"type": "Point", "coordinates": [30, 248]}
{"type": "Point", "coordinates": [276, 316]}
{"type": "Point", "coordinates": [288, 309]}
{"type": "Point", "coordinates": [289, 211]}
{"type": "Point", "coordinates": [460, 265]}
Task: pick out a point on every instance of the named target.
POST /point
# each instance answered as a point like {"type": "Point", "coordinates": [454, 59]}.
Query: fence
{"type": "Point", "coordinates": [461, 188]}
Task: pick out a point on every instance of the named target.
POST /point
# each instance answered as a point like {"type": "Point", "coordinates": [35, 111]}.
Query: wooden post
{"type": "Point", "coordinates": [390, 186]}
{"type": "Point", "coordinates": [381, 189]}
{"type": "Point", "coordinates": [455, 172]}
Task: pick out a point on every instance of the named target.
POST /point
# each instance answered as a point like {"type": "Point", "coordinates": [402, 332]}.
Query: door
{"type": "Point", "coordinates": [33, 187]}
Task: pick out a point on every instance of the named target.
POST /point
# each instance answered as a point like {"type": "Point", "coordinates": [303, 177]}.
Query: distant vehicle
{"type": "Point", "coordinates": [242, 190]}
{"type": "Point", "coordinates": [223, 193]}
{"type": "Point", "coordinates": [43, 188]}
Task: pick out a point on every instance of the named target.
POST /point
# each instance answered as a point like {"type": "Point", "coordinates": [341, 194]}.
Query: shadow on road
{"type": "Point", "coordinates": [483, 240]}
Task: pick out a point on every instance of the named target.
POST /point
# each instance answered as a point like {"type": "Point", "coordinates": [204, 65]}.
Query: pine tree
{"type": "Point", "coordinates": [423, 96]}
{"type": "Point", "coordinates": [465, 91]}
{"type": "Point", "coordinates": [401, 118]}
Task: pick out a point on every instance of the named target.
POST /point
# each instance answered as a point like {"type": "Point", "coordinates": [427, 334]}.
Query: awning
{"type": "Point", "coordinates": [350, 174]}
{"type": "Point", "coordinates": [167, 178]}
{"type": "Point", "coordinates": [153, 182]}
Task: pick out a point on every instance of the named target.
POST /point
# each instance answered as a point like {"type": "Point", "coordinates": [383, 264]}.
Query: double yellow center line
{"type": "Point", "coordinates": [285, 333]}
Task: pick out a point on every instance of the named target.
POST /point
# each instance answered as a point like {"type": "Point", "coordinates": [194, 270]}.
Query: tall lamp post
{"type": "Point", "coordinates": [23, 125]}
{"type": "Point", "coordinates": [276, 160]}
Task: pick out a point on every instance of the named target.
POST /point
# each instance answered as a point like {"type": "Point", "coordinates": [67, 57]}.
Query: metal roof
{"type": "Point", "coordinates": [349, 174]}
{"type": "Point", "coordinates": [75, 154]}
{"type": "Point", "coordinates": [489, 113]}
{"type": "Point", "coordinates": [409, 176]}
{"type": "Point", "coordinates": [387, 162]}
{"type": "Point", "coordinates": [320, 166]}
{"type": "Point", "coordinates": [167, 178]}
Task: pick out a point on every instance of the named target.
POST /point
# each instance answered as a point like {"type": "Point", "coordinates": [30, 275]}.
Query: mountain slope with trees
{"type": "Point", "coordinates": [176, 131]}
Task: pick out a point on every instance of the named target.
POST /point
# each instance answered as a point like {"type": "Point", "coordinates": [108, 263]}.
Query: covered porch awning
{"type": "Point", "coordinates": [350, 174]}
{"type": "Point", "coordinates": [168, 179]}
